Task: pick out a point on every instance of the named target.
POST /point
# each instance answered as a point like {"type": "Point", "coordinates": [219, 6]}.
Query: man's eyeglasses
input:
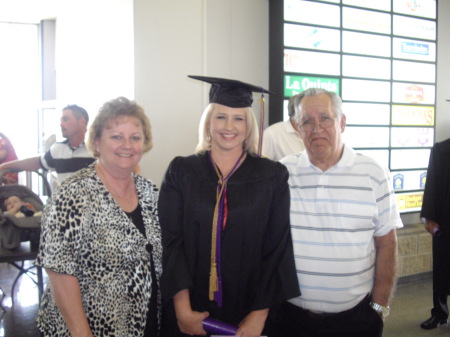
{"type": "Point", "coordinates": [325, 122]}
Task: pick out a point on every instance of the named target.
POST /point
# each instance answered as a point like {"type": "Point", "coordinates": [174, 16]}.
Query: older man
{"type": "Point", "coordinates": [343, 223]}
{"type": "Point", "coordinates": [64, 157]}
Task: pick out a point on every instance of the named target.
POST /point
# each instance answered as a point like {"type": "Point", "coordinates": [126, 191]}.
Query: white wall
{"type": "Point", "coordinates": [175, 38]}
{"type": "Point", "coordinates": [94, 52]}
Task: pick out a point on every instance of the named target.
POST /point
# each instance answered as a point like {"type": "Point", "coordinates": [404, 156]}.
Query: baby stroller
{"type": "Point", "coordinates": [14, 230]}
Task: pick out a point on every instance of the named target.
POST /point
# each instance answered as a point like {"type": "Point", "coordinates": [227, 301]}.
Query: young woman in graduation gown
{"type": "Point", "coordinates": [224, 214]}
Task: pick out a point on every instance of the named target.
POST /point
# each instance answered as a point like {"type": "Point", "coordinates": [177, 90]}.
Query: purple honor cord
{"type": "Point", "coordinates": [218, 293]}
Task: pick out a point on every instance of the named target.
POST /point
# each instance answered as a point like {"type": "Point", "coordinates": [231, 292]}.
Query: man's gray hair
{"type": "Point", "coordinates": [336, 101]}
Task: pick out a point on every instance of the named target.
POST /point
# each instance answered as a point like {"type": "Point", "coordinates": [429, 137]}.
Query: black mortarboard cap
{"type": "Point", "coordinates": [231, 93]}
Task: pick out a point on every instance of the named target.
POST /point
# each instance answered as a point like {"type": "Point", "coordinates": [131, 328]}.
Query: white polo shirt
{"type": "Point", "coordinates": [334, 217]}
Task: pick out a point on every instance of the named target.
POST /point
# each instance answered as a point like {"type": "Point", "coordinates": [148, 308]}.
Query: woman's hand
{"type": "Point", "coordinates": [253, 324]}
{"type": "Point", "coordinates": [190, 322]}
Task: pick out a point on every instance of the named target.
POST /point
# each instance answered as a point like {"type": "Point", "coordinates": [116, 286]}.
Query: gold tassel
{"type": "Point", "coordinates": [213, 282]}
{"type": "Point", "coordinates": [213, 278]}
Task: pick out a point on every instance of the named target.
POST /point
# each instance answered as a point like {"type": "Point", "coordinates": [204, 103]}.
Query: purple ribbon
{"type": "Point", "coordinates": [214, 326]}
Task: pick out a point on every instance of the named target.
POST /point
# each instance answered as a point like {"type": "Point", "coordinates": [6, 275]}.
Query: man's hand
{"type": "Point", "coordinates": [253, 324]}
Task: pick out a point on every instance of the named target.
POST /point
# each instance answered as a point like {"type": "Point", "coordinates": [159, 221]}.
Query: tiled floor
{"type": "Point", "coordinates": [411, 306]}
{"type": "Point", "coordinates": [18, 318]}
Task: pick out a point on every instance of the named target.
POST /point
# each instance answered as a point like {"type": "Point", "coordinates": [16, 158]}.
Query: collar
{"type": "Point", "coordinates": [347, 160]}
{"type": "Point", "coordinates": [66, 141]}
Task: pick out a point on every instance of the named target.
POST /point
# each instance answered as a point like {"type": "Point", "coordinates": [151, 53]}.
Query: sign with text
{"type": "Point", "coordinates": [410, 201]}
{"type": "Point", "coordinates": [412, 115]}
{"type": "Point", "coordinates": [294, 85]}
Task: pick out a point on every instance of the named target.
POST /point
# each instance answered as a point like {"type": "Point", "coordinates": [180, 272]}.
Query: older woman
{"type": "Point", "coordinates": [224, 216]}
{"type": "Point", "coordinates": [101, 241]}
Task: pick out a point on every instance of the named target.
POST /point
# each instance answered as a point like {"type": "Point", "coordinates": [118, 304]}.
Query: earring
{"type": "Point", "coordinates": [208, 138]}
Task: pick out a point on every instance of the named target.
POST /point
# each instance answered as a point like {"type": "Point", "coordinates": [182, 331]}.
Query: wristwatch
{"type": "Point", "coordinates": [383, 311]}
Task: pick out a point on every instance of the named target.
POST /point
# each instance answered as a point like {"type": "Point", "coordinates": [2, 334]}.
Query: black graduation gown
{"type": "Point", "coordinates": [257, 263]}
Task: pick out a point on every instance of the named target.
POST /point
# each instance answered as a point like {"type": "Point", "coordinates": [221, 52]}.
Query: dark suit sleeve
{"type": "Point", "coordinates": [278, 277]}
{"type": "Point", "coordinates": [175, 275]}
{"type": "Point", "coordinates": [430, 197]}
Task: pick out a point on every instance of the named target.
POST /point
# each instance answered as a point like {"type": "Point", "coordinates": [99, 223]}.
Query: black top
{"type": "Point", "coordinates": [151, 324]}
{"type": "Point", "coordinates": [257, 263]}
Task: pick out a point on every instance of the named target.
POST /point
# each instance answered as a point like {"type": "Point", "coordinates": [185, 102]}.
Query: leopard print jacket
{"type": "Point", "coordinates": [85, 234]}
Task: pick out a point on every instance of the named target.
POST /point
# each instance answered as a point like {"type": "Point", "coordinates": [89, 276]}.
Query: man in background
{"type": "Point", "coordinates": [282, 138]}
{"type": "Point", "coordinates": [436, 214]}
{"type": "Point", "coordinates": [343, 221]}
{"type": "Point", "coordinates": [64, 157]}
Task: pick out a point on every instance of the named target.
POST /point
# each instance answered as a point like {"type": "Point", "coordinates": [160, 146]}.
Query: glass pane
{"type": "Point", "coordinates": [368, 21]}
{"type": "Point", "coordinates": [409, 158]}
{"type": "Point", "coordinates": [312, 37]}
{"type": "Point", "coordinates": [362, 90]}
{"type": "Point", "coordinates": [294, 84]}
{"type": "Point", "coordinates": [413, 93]}
{"type": "Point", "coordinates": [19, 86]}
{"type": "Point", "coordinates": [414, 50]}
{"type": "Point", "coordinates": [412, 137]}
{"type": "Point", "coordinates": [366, 113]}
{"type": "Point", "coordinates": [285, 110]}
{"type": "Point", "coordinates": [415, 28]}
{"type": "Point", "coordinates": [408, 180]}
{"type": "Point", "coordinates": [425, 8]}
{"type": "Point", "coordinates": [412, 115]}
{"type": "Point", "coordinates": [358, 137]}
{"type": "Point", "coordinates": [369, 44]}
{"type": "Point", "coordinates": [381, 156]}
{"type": "Point", "coordinates": [377, 4]}
{"type": "Point", "coordinates": [368, 67]}
{"type": "Point", "coordinates": [414, 71]}
{"type": "Point", "coordinates": [312, 62]}
{"type": "Point", "coordinates": [312, 12]}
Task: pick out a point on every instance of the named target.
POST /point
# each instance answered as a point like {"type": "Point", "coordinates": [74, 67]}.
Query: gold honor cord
{"type": "Point", "coordinates": [222, 182]}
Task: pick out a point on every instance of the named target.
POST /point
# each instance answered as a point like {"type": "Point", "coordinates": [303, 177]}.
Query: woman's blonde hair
{"type": "Point", "coordinates": [113, 109]}
{"type": "Point", "coordinates": [251, 139]}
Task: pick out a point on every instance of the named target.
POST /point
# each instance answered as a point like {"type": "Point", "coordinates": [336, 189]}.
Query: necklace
{"type": "Point", "coordinates": [112, 188]}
